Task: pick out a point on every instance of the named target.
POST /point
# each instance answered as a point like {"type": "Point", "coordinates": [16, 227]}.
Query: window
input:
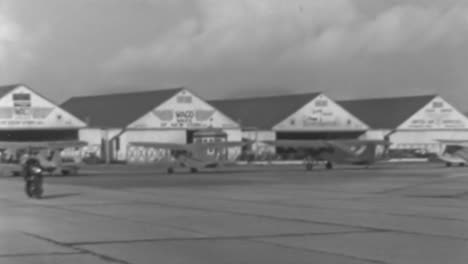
{"type": "Point", "coordinates": [321, 103]}
{"type": "Point", "coordinates": [184, 99]}
{"type": "Point", "coordinates": [21, 97]}
{"type": "Point", "coordinates": [437, 104]}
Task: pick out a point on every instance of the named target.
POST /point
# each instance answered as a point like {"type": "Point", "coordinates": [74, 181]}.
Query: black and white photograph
{"type": "Point", "coordinates": [234, 131]}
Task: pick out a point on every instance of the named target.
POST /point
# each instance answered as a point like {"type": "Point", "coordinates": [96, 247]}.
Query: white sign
{"type": "Point", "coordinates": [184, 110]}
{"type": "Point", "coordinates": [318, 115]}
{"type": "Point", "coordinates": [22, 108]}
{"type": "Point", "coordinates": [437, 114]}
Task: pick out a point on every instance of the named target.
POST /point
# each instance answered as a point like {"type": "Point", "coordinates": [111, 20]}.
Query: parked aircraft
{"type": "Point", "coordinates": [48, 153]}
{"type": "Point", "coordinates": [194, 155]}
{"type": "Point", "coordinates": [454, 153]}
{"type": "Point", "coordinates": [355, 152]}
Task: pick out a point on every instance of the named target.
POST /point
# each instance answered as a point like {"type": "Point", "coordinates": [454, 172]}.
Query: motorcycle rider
{"type": "Point", "coordinates": [32, 172]}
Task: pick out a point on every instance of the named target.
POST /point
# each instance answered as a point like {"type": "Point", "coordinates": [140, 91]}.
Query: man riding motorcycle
{"type": "Point", "coordinates": [32, 172]}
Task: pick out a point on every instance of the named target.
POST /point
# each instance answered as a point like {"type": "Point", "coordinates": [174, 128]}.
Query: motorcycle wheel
{"type": "Point", "coordinates": [28, 189]}
{"type": "Point", "coordinates": [38, 194]}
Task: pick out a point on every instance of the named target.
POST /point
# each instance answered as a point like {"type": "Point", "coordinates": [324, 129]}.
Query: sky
{"type": "Point", "coordinates": [237, 48]}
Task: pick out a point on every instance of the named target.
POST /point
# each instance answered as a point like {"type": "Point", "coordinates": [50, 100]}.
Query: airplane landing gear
{"type": "Point", "coordinates": [448, 164]}
{"type": "Point", "coordinates": [193, 170]}
{"type": "Point", "coordinates": [329, 165]}
{"type": "Point", "coordinates": [170, 170]}
{"type": "Point", "coordinates": [462, 164]}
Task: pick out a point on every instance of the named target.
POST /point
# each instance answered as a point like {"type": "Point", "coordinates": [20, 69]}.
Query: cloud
{"type": "Point", "coordinates": [10, 34]}
{"type": "Point", "coordinates": [239, 31]}
{"type": "Point", "coordinates": [278, 32]}
{"type": "Point", "coordinates": [15, 48]}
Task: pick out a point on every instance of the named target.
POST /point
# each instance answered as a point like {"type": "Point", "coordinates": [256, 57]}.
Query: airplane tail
{"type": "Point", "coordinates": [355, 152]}
{"type": "Point", "coordinates": [454, 154]}
{"type": "Point", "coordinates": [369, 152]}
{"type": "Point", "coordinates": [49, 159]}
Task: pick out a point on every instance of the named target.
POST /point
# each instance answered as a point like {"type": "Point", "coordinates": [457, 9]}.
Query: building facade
{"type": "Point", "coordinates": [411, 123]}
{"type": "Point", "coordinates": [172, 115]}
{"type": "Point", "coordinates": [293, 117]}
{"type": "Point", "coordinates": [27, 116]}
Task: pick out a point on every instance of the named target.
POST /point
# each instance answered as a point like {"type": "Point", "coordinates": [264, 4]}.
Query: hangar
{"type": "Point", "coordinates": [410, 123]}
{"type": "Point", "coordinates": [171, 115]}
{"type": "Point", "coordinates": [293, 116]}
{"type": "Point", "coordinates": [25, 115]}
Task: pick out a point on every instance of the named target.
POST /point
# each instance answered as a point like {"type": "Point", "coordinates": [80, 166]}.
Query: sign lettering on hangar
{"type": "Point", "coordinates": [22, 108]}
{"type": "Point", "coordinates": [319, 114]}
{"type": "Point", "coordinates": [183, 118]}
{"type": "Point", "coordinates": [438, 114]}
{"type": "Point", "coordinates": [184, 110]}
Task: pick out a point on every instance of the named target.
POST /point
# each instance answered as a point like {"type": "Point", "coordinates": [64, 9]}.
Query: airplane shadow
{"type": "Point", "coordinates": [60, 195]}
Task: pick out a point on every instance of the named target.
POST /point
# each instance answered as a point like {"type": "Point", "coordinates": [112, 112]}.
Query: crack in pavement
{"type": "Point", "coordinates": [374, 261]}
{"type": "Point", "coordinates": [78, 249]}
{"type": "Point", "coordinates": [213, 238]}
{"type": "Point", "coordinates": [40, 254]}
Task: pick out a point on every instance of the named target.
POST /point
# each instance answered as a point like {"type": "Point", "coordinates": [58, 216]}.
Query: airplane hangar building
{"type": "Point", "coordinates": [27, 116]}
{"type": "Point", "coordinates": [294, 116]}
{"type": "Point", "coordinates": [171, 115]}
{"type": "Point", "coordinates": [414, 122]}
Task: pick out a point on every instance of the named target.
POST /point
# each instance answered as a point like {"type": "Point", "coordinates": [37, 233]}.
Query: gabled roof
{"type": "Point", "coordinates": [386, 113]}
{"type": "Point", "coordinates": [117, 110]}
{"type": "Point", "coordinates": [262, 112]}
{"type": "Point", "coordinates": [8, 88]}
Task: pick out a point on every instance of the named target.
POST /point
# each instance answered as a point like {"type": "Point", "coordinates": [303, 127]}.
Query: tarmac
{"type": "Point", "coordinates": [402, 214]}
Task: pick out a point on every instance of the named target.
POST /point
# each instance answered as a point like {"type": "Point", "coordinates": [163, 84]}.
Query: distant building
{"type": "Point", "coordinates": [171, 115]}
{"type": "Point", "coordinates": [413, 122]}
{"type": "Point", "coordinates": [293, 116]}
{"type": "Point", "coordinates": [26, 115]}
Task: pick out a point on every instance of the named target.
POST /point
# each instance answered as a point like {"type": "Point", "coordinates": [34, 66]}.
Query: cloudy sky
{"type": "Point", "coordinates": [224, 48]}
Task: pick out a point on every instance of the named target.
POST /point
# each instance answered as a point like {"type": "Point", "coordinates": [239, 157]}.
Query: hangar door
{"type": "Point", "coordinates": [290, 153]}
{"type": "Point", "coordinates": [38, 135]}
{"type": "Point", "coordinates": [318, 135]}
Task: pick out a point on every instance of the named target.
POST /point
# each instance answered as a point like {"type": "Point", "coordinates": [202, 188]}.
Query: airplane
{"type": "Point", "coordinates": [341, 151]}
{"type": "Point", "coordinates": [196, 155]}
{"type": "Point", "coordinates": [47, 152]}
{"type": "Point", "coordinates": [455, 152]}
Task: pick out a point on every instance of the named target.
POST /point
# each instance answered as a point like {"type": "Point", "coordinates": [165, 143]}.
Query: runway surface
{"type": "Point", "coordinates": [119, 214]}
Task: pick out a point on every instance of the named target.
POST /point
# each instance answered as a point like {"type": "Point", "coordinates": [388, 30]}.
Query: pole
{"type": "Point", "coordinates": [108, 148]}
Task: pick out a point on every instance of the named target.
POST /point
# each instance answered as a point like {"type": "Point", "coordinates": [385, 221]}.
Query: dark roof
{"type": "Point", "coordinates": [8, 88]}
{"type": "Point", "coordinates": [116, 110]}
{"type": "Point", "coordinates": [386, 113]}
{"type": "Point", "coordinates": [262, 112]}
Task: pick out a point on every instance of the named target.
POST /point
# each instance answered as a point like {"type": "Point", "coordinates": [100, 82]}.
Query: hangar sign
{"type": "Point", "coordinates": [321, 114]}
{"type": "Point", "coordinates": [22, 108]}
{"type": "Point", "coordinates": [437, 114]}
{"type": "Point", "coordinates": [184, 118]}
{"type": "Point", "coordinates": [184, 110]}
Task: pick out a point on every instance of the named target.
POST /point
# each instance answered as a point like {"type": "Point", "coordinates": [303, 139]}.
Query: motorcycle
{"type": "Point", "coordinates": [33, 187]}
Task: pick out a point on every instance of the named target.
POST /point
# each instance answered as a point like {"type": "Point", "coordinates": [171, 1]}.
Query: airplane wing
{"type": "Point", "coordinates": [362, 141]}
{"type": "Point", "coordinates": [17, 145]}
{"type": "Point", "coordinates": [66, 144]}
{"type": "Point", "coordinates": [223, 144]}
{"type": "Point", "coordinates": [452, 141]}
{"type": "Point", "coordinates": [298, 143]}
{"type": "Point", "coordinates": [317, 143]}
{"type": "Point", "coordinates": [161, 145]}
